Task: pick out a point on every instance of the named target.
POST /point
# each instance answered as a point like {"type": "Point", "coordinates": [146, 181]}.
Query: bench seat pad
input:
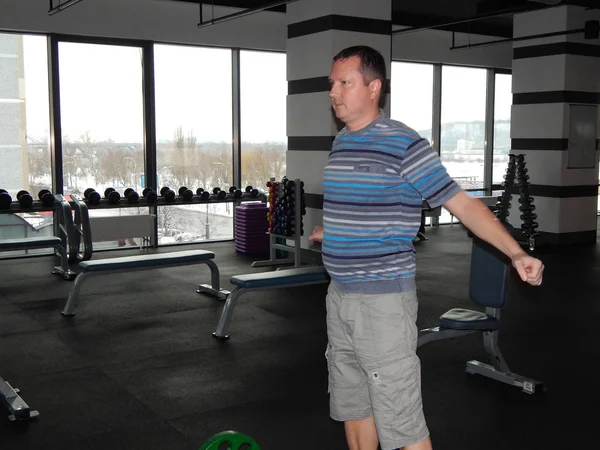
{"type": "Point", "coordinates": [467, 319]}
{"type": "Point", "coordinates": [25, 243]}
{"type": "Point", "coordinates": [146, 261]}
{"type": "Point", "coordinates": [313, 274]}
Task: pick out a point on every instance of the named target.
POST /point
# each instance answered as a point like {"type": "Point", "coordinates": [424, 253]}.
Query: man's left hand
{"type": "Point", "coordinates": [530, 269]}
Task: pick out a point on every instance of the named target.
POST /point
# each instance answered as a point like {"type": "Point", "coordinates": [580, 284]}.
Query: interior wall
{"type": "Point", "coordinates": [433, 46]}
{"type": "Point", "coordinates": [175, 22]}
{"type": "Point", "coordinates": [155, 20]}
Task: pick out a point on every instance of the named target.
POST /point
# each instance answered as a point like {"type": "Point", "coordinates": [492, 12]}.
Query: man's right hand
{"type": "Point", "coordinates": [317, 234]}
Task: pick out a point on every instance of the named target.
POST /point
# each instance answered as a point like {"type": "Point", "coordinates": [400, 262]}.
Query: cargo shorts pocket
{"type": "Point", "coordinates": [397, 404]}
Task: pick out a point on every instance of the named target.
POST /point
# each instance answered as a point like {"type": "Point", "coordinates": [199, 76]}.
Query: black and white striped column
{"type": "Point", "coordinates": [317, 31]}
{"type": "Point", "coordinates": [556, 92]}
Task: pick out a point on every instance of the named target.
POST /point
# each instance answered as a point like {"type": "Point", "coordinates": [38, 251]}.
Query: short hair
{"type": "Point", "coordinates": [372, 64]}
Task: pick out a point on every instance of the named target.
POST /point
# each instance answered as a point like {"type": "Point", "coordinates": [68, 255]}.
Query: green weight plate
{"type": "Point", "coordinates": [230, 440]}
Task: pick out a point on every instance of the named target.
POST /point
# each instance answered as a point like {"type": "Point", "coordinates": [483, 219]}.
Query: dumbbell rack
{"type": "Point", "coordinates": [517, 180]}
{"type": "Point", "coordinates": [63, 225]}
{"type": "Point", "coordinates": [81, 229]}
{"type": "Point", "coordinates": [178, 200]}
{"type": "Point", "coordinates": [295, 249]}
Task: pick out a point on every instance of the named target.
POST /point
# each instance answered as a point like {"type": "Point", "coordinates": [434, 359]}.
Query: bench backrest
{"type": "Point", "coordinates": [489, 274]}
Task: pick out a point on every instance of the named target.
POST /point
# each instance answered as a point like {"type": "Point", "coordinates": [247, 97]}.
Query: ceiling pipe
{"type": "Point", "coordinates": [490, 15]}
{"type": "Point", "coordinates": [61, 6]}
{"type": "Point", "coordinates": [239, 14]}
{"type": "Point", "coordinates": [591, 30]}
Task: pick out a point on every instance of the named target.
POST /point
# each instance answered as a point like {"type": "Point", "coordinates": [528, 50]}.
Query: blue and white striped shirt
{"type": "Point", "coordinates": [373, 188]}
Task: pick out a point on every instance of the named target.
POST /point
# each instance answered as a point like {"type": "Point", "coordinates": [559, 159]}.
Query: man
{"type": "Point", "coordinates": [379, 171]}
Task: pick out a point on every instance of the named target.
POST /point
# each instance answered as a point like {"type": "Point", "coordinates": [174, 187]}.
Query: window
{"type": "Point", "coordinates": [263, 116]}
{"type": "Point", "coordinates": [463, 124]}
{"type": "Point", "coordinates": [193, 138]}
{"type": "Point", "coordinates": [101, 103]}
{"type": "Point", "coordinates": [24, 131]}
{"type": "Point", "coordinates": [502, 110]}
{"type": "Point", "coordinates": [411, 100]}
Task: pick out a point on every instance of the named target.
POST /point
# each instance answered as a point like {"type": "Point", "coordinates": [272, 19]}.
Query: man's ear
{"type": "Point", "coordinates": [375, 88]}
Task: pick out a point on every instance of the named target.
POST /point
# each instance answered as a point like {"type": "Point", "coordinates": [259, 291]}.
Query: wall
{"type": "Point", "coordinates": [157, 20]}
{"type": "Point", "coordinates": [167, 21]}
{"type": "Point", "coordinates": [434, 46]}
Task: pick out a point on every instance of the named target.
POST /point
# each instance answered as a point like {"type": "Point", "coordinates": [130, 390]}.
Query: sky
{"type": "Point", "coordinates": [101, 92]}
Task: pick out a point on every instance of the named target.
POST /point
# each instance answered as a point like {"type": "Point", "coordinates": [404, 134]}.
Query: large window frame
{"type": "Point", "coordinates": [149, 111]}
{"type": "Point", "coordinates": [488, 186]}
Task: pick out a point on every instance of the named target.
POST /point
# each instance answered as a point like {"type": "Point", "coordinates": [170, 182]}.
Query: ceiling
{"type": "Point", "coordinates": [442, 14]}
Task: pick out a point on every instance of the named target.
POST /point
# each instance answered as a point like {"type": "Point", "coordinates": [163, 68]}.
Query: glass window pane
{"type": "Point", "coordinates": [101, 103]}
{"type": "Point", "coordinates": [194, 138]}
{"type": "Point", "coordinates": [463, 124]}
{"type": "Point", "coordinates": [502, 111]}
{"type": "Point", "coordinates": [411, 100]}
{"type": "Point", "coordinates": [24, 131]}
{"type": "Point", "coordinates": [263, 116]}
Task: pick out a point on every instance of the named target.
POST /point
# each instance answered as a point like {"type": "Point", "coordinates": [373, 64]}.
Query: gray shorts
{"type": "Point", "coordinates": [373, 366]}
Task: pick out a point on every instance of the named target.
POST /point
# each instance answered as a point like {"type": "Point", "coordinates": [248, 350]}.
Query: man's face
{"type": "Point", "coordinates": [352, 100]}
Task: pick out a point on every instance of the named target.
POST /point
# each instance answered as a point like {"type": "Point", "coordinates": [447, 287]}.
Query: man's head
{"type": "Point", "coordinates": [357, 79]}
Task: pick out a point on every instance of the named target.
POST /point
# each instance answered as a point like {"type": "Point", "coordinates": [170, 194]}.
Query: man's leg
{"type": "Point", "coordinates": [425, 444]}
{"type": "Point", "coordinates": [348, 390]}
{"type": "Point", "coordinates": [385, 340]}
{"type": "Point", "coordinates": [362, 434]}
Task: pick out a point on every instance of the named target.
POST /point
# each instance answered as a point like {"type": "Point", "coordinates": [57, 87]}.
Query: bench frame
{"type": "Point", "coordinates": [60, 251]}
{"type": "Point", "coordinates": [233, 298]}
{"type": "Point", "coordinates": [488, 286]}
{"type": "Point", "coordinates": [17, 408]}
{"type": "Point", "coordinates": [213, 289]}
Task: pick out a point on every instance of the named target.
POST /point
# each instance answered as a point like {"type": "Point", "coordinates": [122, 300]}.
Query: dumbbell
{"type": "Point", "coordinates": [149, 195]}
{"type": "Point", "coordinates": [187, 194]}
{"type": "Point", "coordinates": [25, 199]}
{"type": "Point", "coordinates": [5, 199]}
{"type": "Point", "coordinates": [132, 196]}
{"type": "Point", "coordinates": [46, 197]}
{"type": "Point", "coordinates": [91, 196]}
{"type": "Point", "coordinates": [204, 195]}
{"type": "Point", "coordinates": [237, 193]}
{"type": "Point", "coordinates": [219, 193]}
{"type": "Point", "coordinates": [168, 194]}
{"type": "Point", "coordinates": [112, 195]}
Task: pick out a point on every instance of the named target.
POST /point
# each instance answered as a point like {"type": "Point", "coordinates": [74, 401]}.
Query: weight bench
{"type": "Point", "coordinates": [41, 242]}
{"type": "Point", "coordinates": [146, 262]}
{"type": "Point", "coordinates": [302, 276]}
{"type": "Point", "coordinates": [488, 287]}
{"type": "Point", "coordinates": [17, 408]}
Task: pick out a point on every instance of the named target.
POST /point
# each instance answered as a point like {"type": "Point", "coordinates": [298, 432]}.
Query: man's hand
{"type": "Point", "coordinates": [530, 269]}
{"type": "Point", "coordinates": [317, 234]}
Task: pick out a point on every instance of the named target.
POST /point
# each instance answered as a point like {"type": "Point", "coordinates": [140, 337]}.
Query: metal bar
{"type": "Point", "coordinates": [488, 148]}
{"type": "Point", "coordinates": [490, 15]}
{"type": "Point", "coordinates": [56, 149]}
{"type": "Point", "coordinates": [61, 6]}
{"type": "Point", "coordinates": [150, 170]}
{"type": "Point", "coordinates": [243, 13]}
{"type": "Point", "coordinates": [518, 39]}
{"type": "Point", "coordinates": [237, 120]}
{"type": "Point", "coordinates": [437, 108]}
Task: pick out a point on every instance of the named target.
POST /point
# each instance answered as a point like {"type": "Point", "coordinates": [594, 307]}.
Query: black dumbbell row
{"type": "Point", "coordinates": [25, 199]}
{"type": "Point", "coordinates": [151, 197]}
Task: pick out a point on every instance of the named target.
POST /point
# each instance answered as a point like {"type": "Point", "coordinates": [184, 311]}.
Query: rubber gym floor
{"type": "Point", "coordinates": [137, 368]}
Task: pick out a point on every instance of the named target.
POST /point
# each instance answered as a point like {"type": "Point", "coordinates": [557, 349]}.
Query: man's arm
{"type": "Point", "coordinates": [479, 219]}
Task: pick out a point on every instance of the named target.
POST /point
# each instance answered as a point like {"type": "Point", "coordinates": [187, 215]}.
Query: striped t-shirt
{"type": "Point", "coordinates": [375, 181]}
